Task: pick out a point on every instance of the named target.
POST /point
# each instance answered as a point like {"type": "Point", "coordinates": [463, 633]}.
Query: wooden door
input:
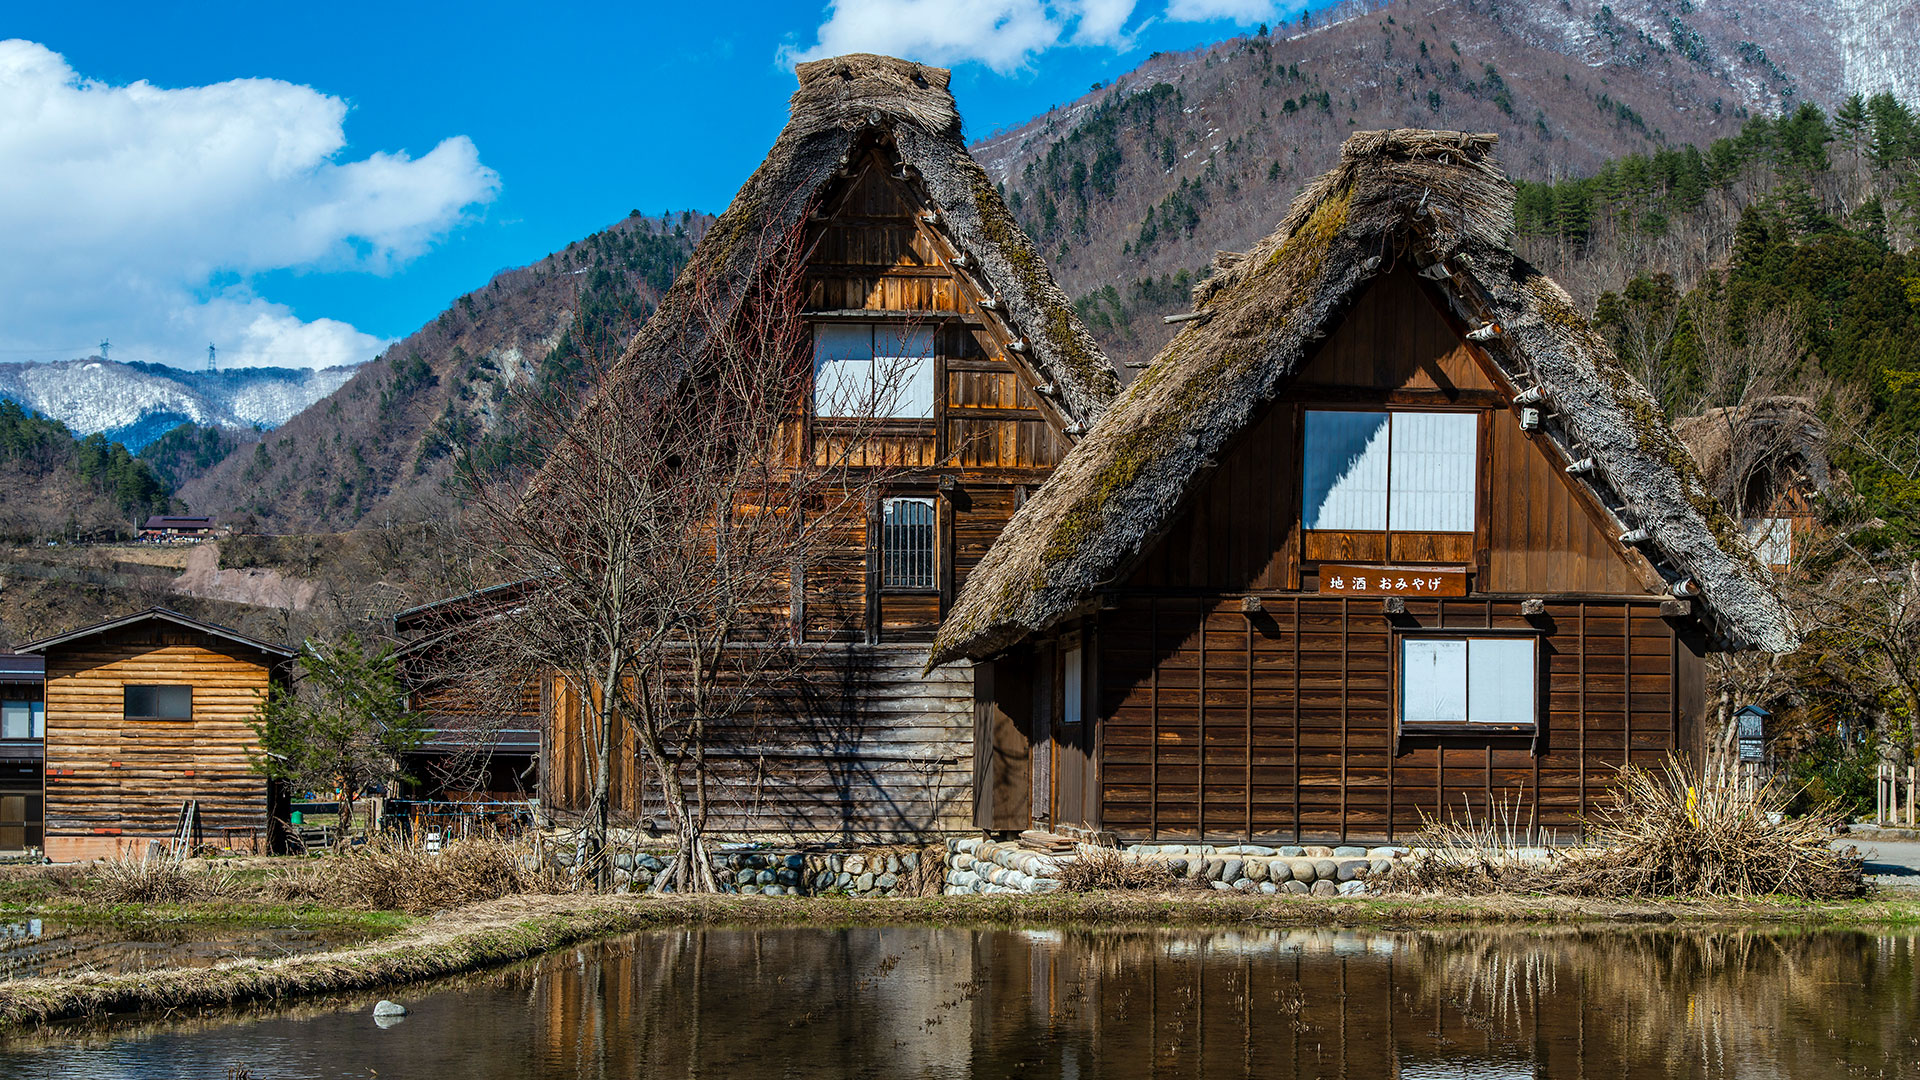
{"type": "Point", "coordinates": [1074, 785]}
{"type": "Point", "coordinates": [13, 822]}
{"type": "Point", "coordinates": [1003, 746]}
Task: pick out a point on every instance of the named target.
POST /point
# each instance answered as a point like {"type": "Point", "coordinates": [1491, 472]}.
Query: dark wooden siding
{"type": "Point", "coordinates": [991, 437]}
{"type": "Point", "coordinates": [1280, 725]}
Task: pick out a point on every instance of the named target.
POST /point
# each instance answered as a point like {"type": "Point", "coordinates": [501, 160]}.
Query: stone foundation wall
{"type": "Point", "coordinates": [775, 872]}
{"type": "Point", "coordinates": [1322, 871]}
{"type": "Point", "coordinates": [978, 865]}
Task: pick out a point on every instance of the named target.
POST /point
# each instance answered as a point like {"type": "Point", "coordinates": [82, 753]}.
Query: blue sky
{"type": "Point", "coordinates": [303, 183]}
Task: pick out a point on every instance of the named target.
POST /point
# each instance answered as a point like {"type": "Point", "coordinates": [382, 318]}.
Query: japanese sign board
{"type": "Point", "coordinates": [1338, 580]}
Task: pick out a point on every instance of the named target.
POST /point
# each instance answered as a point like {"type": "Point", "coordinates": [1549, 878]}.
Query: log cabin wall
{"type": "Point", "coordinates": [113, 781]}
{"type": "Point", "coordinates": [869, 748]}
{"type": "Point", "coordinates": [1281, 722]}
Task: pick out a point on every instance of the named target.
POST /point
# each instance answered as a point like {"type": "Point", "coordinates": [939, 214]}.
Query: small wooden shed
{"type": "Point", "coordinates": [147, 714]}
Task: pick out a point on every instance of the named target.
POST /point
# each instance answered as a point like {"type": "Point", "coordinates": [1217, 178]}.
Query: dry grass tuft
{"type": "Point", "coordinates": [1660, 836]}
{"type": "Point", "coordinates": [397, 875]}
{"type": "Point", "coordinates": [1105, 869]}
{"type": "Point", "coordinates": [128, 880]}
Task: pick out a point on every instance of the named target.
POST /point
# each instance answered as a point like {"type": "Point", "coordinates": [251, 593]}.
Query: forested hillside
{"type": "Point", "coordinates": [1781, 262]}
{"type": "Point", "coordinates": [1132, 188]}
{"type": "Point", "coordinates": [381, 447]}
{"type": "Point", "coordinates": [62, 488]}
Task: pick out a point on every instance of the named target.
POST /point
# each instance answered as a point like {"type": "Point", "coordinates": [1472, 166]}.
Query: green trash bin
{"type": "Point", "coordinates": [297, 819]}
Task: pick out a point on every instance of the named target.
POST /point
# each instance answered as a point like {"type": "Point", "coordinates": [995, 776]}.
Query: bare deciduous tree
{"type": "Point", "coordinates": [658, 552]}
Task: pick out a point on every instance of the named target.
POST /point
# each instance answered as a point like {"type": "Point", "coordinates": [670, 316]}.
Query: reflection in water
{"type": "Point", "coordinates": [926, 1002]}
{"type": "Point", "coordinates": [33, 947]}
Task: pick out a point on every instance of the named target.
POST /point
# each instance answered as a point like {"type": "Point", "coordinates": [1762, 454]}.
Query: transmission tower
{"type": "Point", "coordinates": [106, 349]}
{"type": "Point", "coordinates": [210, 364]}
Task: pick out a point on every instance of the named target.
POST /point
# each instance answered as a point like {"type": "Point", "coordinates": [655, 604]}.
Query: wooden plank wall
{"type": "Point", "coordinates": [111, 776]}
{"type": "Point", "coordinates": [1188, 684]}
{"type": "Point", "coordinates": [867, 750]}
{"type": "Point", "coordinates": [990, 438]}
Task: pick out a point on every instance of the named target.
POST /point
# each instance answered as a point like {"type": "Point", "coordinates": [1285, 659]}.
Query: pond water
{"type": "Point", "coordinates": [31, 947]}
{"type": "Point", "coordinates": [958, 1002]}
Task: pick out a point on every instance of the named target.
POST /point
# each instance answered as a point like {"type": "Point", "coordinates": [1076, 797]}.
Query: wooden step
{"type": "Point", "coordinates": [1048, 843]}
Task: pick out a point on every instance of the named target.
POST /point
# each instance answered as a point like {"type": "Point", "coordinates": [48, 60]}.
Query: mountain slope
{"type": "Point", "coordinates": [136, 403]}
{"type": "Point", "coordinates": [1142, 181]}
{"type": "Point", "coordinates": [382, 445]}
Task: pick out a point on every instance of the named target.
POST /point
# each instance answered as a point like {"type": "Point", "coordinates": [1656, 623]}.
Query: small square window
{"type": "Point", "coordinates": [907, 551]}
{"type": "Point", "coordinates": [1771, 538]}
{"type": "Point", "coordinates": [1468, 682]}
{"type": "Point", "coordinates": [159, 703]}
{"type": "Point", "coordinates": [23, 720]}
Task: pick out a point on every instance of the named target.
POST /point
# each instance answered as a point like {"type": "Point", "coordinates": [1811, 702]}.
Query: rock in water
{"type": "Point", "coordinates": [389, 1008]}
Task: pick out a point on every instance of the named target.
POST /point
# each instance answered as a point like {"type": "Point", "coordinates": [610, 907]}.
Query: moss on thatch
{"type": "Point", "coordinates": [1403, 195]}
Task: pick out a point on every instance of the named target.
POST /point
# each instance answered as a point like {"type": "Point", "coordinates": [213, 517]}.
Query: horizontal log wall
{"type": "Point", "coordinates": [109, 775]}
{"type": "Point", "coordinates": [1280, 725]}
{"type": "Point", "coordinates": [861, 748]}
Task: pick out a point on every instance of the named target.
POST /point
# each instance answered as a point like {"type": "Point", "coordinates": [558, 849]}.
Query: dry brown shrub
{"type": "Point", "coordinates": [396, 875]}
{"type": "Point", "coordinates": [929, 876]}
{"type": "Point", "coordinates": [1659, 835]}
{"type": "Point", "coordinates": [127, 880]}
{"type": "Point", "coordinates": [1107, 869]}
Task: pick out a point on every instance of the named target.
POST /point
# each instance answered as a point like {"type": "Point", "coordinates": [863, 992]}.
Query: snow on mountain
{"type": "Point", "coordinates": [137, 403]}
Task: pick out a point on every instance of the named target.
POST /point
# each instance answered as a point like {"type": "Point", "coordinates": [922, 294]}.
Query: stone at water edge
{"type": "Point", "coordinates": [389, 1008]}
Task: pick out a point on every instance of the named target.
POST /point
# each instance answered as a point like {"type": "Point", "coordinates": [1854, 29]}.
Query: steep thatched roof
{"type": "Point", "coordinates": [1780, 436]}
{"type": "Point", "coordinates": [841, 102]}
{"type": "Point", "coordinates": [1420, 196]}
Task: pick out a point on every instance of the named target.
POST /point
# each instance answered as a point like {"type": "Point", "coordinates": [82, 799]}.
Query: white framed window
{"type": "Point", "coordinates": [1462, 681]}
{"type": "Point", "coordinates": [23, 719]}
{"type": "Point", "coordinates": [908, 555]}
{"type": "Point", "coordinates": [1771, 538]}
{"type": "Point", "coordinates": [1390, 471]}
{"type": "Point", "coordinates": [867, 371]}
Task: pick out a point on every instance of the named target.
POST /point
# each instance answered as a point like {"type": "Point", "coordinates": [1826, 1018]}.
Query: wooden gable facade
{"type": "Point", "coordinates": [988, 438]}
{"type": "Point", "coordinates": [1243, 683]}
{"type": "Point", "coordinates": [144, 715]}
{"type": "Point", "coordinates": [904, 241]}
{"type": "Point", "coordinates": [1767, 461]}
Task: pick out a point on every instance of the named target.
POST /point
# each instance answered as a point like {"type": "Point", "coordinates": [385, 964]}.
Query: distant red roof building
{"type": "Point", "coordinates": [168, 526]}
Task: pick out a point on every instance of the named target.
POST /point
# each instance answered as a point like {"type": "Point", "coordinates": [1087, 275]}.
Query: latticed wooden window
{"type": "Point", "coordinates": [907, 544]}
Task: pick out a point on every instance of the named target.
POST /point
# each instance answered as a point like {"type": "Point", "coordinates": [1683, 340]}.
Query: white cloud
{"type": "Point", "coordinates": [1005, 34]}
{"type": "Point", "coordinates": [1002, 34]}
{"type": "Point", "coordinates": [1243, 12]}
{"type": "Point", "coordinates": [122, 206]}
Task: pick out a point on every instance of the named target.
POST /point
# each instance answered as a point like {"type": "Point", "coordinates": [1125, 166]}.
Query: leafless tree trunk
{"type": "Point", "coordinates": [656, 547]}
